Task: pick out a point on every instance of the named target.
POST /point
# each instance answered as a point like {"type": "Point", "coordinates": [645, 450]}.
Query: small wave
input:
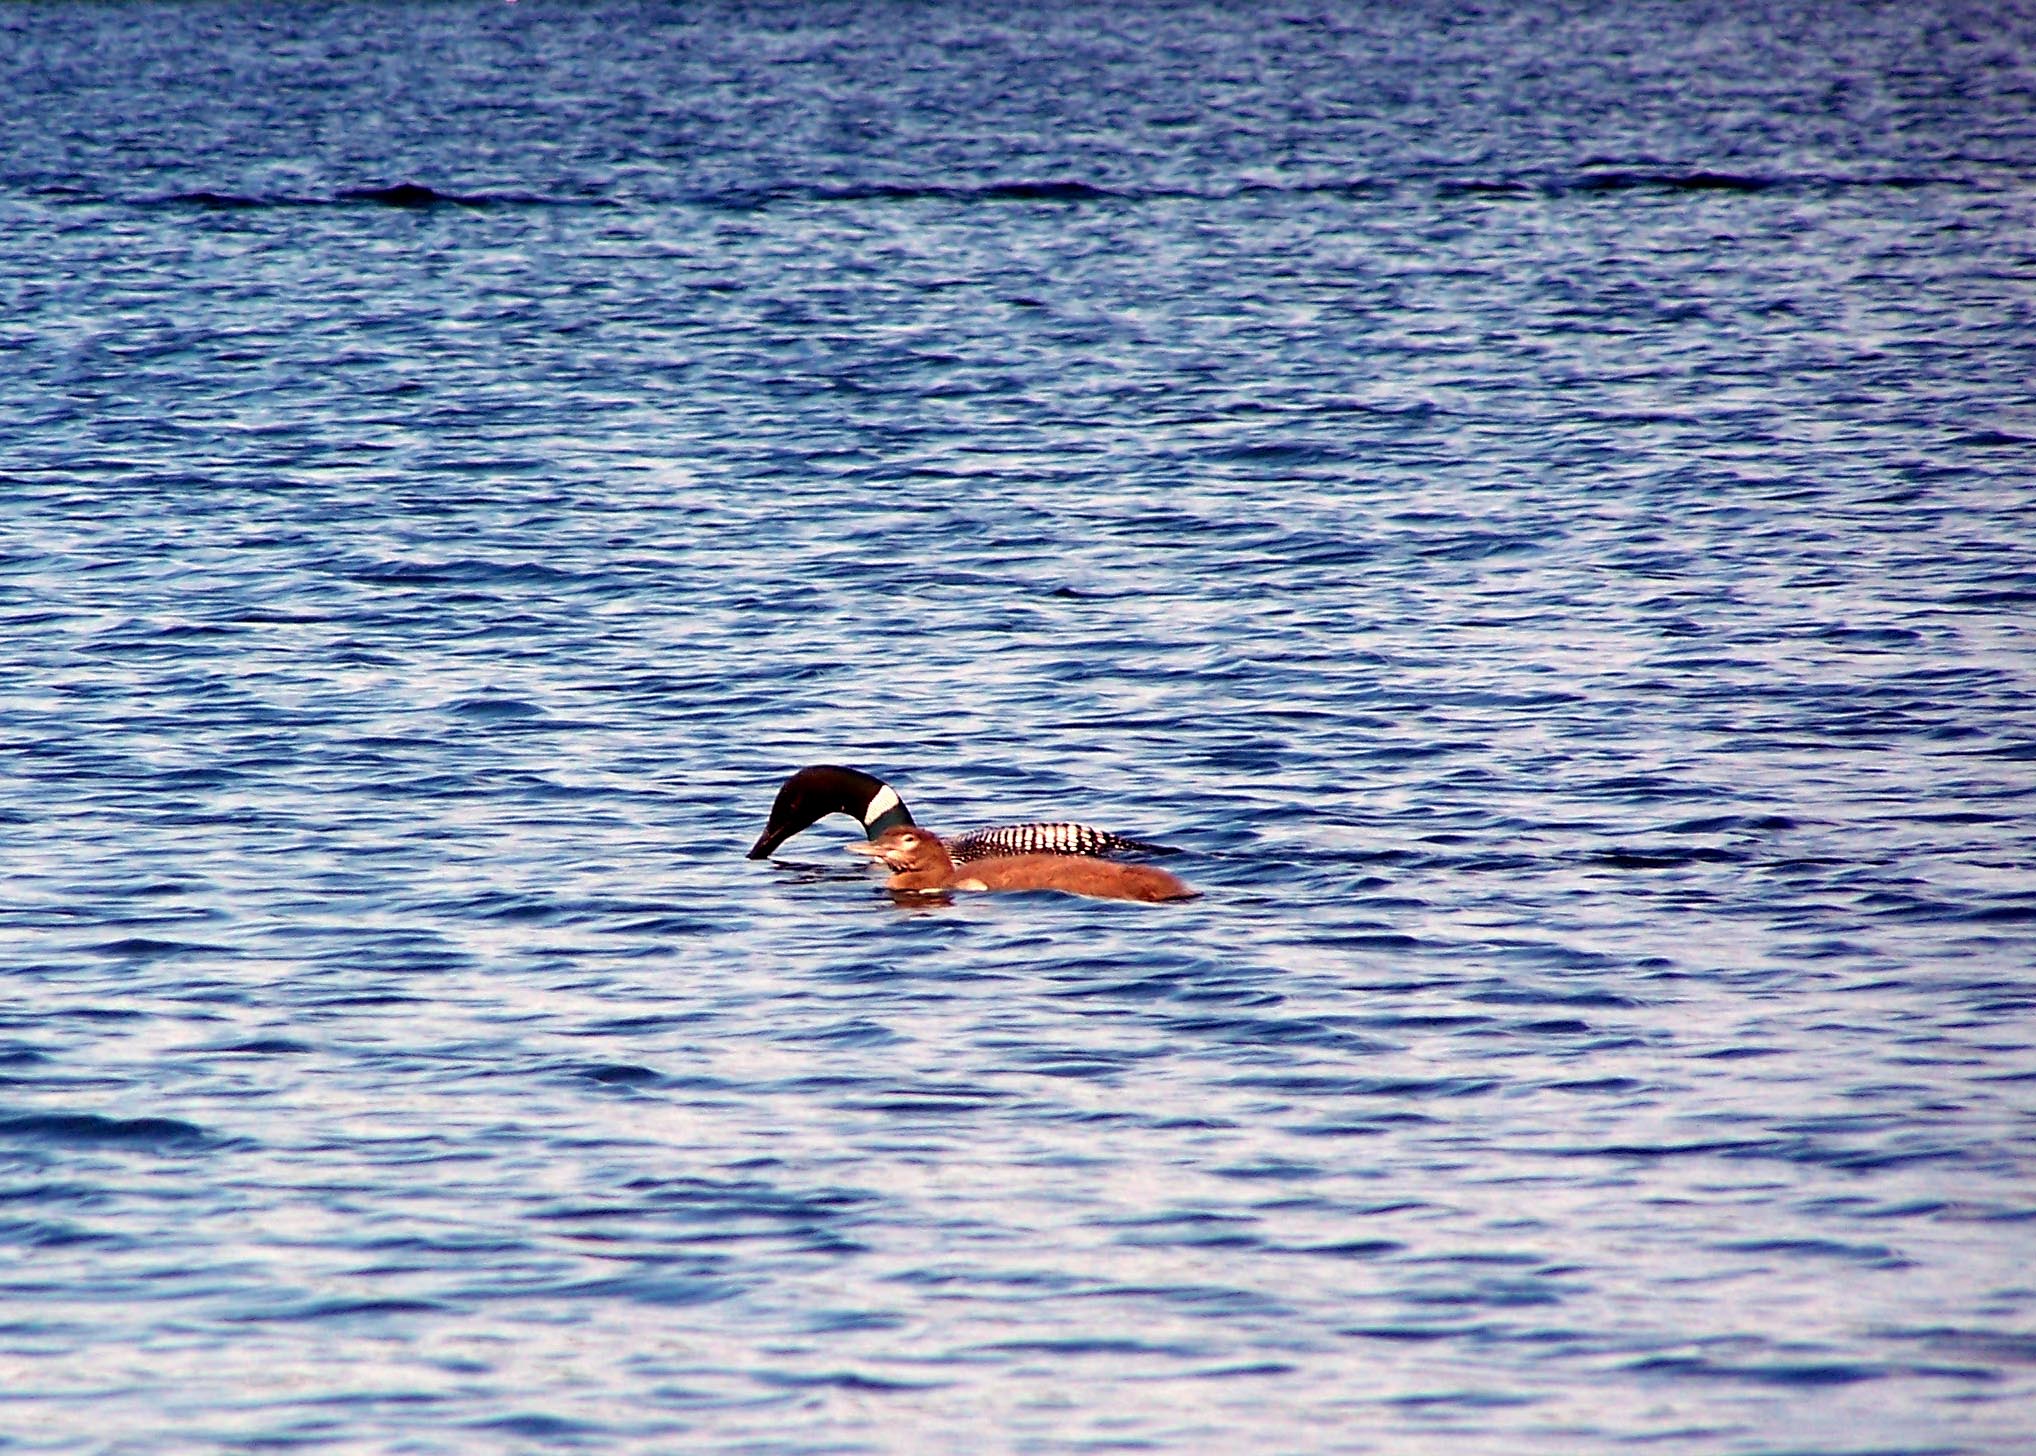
{"type": "Point", "coordinates": [1799, 1374]}
{"type": "Point", "coordinates": [42, 1233]}
{"type": "Point", "coordinates": [1875, 1256]}
{"type": "Point", "coordinates": [489, 709]}
{"type": "Point", "coordinates": [841, 1380]}
{"type": "Point", "coordinates": [1039, 192]}
{"type": "Point", "coordinates": [214, 201]}
{"type": "Point", "coordinates": [458, 571]}
{"type": "Point", "coordinates": [1662, 857]}
{"type": "Point", "coordinates": [1616, 1086]}
{"type": "Point", "coordinates": [1089, 1346]}
{"type": "Point", "coordinates": [1321, 1085]}
{"type": "Point", "coordinates": [2020, 913]}
{"type": "Point", "coordinates": [2007, 596]}
{"type": "Point", "coordinates": [2008, 1347]}
{"type": "Point", "coordinates": [540, 1427]}
{"type": "Point", "coordinates": [1287, 453]}
{"type": "Point", "coordinates": [1495, 187]}
{"type": "Point", "coordinates": [89, 1129]}
{"type": "Point", "coordinates": [1994, 440]}
{"type": "Point", "coordinates": [142, 947]}
{"type": "Point", "coordinates": [852, 1033]}
{"type": "Point", "coordinates": [616, 1074]}
{"type": "Point", "coordinates": [410, 194]}
{"type": "Point", "coordinates": [1868, 636]}
{"type": "Point", "coordinates": [414, 196]}
{"type": "Point", "coordinates": [1703, 1147]}
{"type": "Point", "coordinates": [1622, 181]}
{"type": "Point", "coordinates": [675, 1291]}
{"type": "Point", "coordinates": [1602, 177]}
{"type": "Point", "coordinates": [1345, 1248]}
{"type": "Point", "coordinates": [1591, 178]}
{"type": "Point", "coordinates": [910, 1101]}
{"type": "Point", "coordinates": [338, 1309]}
{"type": "Point", "coordinates": [1273, 1031]}
{"type": "Point", "coordinates": [1051, 190]}
{"type": "Point", "coordinates": [1408, 1333]}
{"type": "Point", "coordinates": [1023, 190]}
{"type": "Point", "coordinates": [1724, 823]}
{"type": "Point", "coordinates": [261, 1046]}
{"type": "Point", "coordinates": [1534, 996]}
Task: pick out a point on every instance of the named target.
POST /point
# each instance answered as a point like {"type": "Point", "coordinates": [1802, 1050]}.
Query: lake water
{"type": "Point", "coordinates": [1538, 504]}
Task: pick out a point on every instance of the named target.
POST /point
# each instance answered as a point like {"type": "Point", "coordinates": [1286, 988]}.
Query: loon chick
{"type": "Point", "coordinates": [811, 794]}
{"type": "Point", "coordinates": [922, 863]}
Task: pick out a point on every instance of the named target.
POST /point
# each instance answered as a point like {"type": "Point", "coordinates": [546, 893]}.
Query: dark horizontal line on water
{"type": "Point", "coordinates": [1586, 180]}
{"type": "Point", "coordinates": [411, 195]}
{"type": "Point", "coordinates": [1614, 179]}
{"type": "Point", "coordinates": [1590, 179]}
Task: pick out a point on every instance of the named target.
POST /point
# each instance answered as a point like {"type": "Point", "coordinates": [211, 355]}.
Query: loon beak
{"type": "Point", "coordinates": [773, 836]}
{"type": "Point", "coordinates": [863, 846]}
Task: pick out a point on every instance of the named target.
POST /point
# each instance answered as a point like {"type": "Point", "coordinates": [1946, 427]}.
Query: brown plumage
{"type": "Point", "coordinates": [922, 863]}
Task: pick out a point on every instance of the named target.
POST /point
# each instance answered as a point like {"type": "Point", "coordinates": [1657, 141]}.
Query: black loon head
{"type": "Point", "coordinates": [811, 794]}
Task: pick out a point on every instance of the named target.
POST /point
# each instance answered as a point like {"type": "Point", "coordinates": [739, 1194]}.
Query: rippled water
{"type": "Point", "coordinates": [1536, 504]}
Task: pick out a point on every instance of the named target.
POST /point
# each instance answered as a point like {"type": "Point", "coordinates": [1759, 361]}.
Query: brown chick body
{"type": "Point", "coordinates": [922, 863]}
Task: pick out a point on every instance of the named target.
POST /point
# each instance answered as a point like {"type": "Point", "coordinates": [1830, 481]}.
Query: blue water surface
{"type": "Point", "coordinates": [1536, 502]}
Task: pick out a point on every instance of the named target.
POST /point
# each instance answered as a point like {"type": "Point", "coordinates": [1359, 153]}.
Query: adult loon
{"type": "Point", "coordinates": [811, 794]}
{"type": "Point", "coordinates": [921, 862]}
